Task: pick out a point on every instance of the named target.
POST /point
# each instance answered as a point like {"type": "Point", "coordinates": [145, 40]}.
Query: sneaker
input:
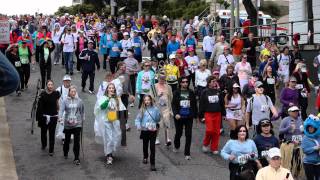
{"type": "Point", "coordinates": [76, 162]}
{"type": "Point", "coordinates": [127, 127]}
{"type": "Point", "coordinates": [175, 150]}
{"type": "Point", "coordinates": [168, 143]}
{"type": "Point", "coordinates": [157, 141]}
{"type": "Point", "coordinates": [91, 92]}
{"type": "Point", "coordinates": [18, 93]}
{"type": "Point", "coordinates": [131, 104]}
{"type": "Point", "coordinates": [205, 149]}
{"type": "Point", "coordinates": [145, 161]}
{"type": "Point", "coordinates": [187, 157]}
{"type": "Point", "coordinates": [215, 152]}
{"type": "Point", "coordinates": [71, 73]}
{"type": "Point", "coordinates": [153, 168]}
{"type": "Point", "coordinates": [51, 154]}
{"type": "Point", "coordinates": [109, 160]}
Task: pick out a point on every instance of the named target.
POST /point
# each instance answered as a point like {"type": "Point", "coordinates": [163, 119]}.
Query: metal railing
{"type": "Point", "coordinates": [272, 30]}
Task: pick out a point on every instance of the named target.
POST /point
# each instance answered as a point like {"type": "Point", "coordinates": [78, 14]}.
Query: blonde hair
{"type": "Point", "coordinates": [143, 105]}
{"type": "Point", "coordinates": [72, 87]}
{"type": "Point", "coordinates": [203, 62]}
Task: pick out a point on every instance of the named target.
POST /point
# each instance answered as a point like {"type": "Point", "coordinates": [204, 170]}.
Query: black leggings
{"type": "Point", "coordinates": [113, 63]}
{"type": "Point", "coordinates": [52, 130]}
{"type": "Point", "coordinates": [149, 137]}
{"type": "Point", "coordinates": [76, 141]}
{"type": "Point", "coordinates": [312, 171]}
{"type": "Point", "coordinates": [25, 75]}
{"type": "Point", "coordinates": [45, 71]}
{"type": "Point", "coordinates": [133, 83]}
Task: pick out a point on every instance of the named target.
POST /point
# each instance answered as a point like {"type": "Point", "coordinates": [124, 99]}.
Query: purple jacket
{"type": "Point", "coordinates": [289, 96]}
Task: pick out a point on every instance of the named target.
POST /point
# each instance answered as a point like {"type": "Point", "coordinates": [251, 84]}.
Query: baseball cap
{"type": "Point", "coordinates": [126, 34]}
{"type": "Point", "coordinates": [179, 51]}
{"type": "Point", "coordinates": [293, 108]}
{"type": "Point", "coordinates": [90, 41]}
{"type": "Point", "coordinates": [172, 56]}
{"type": "Point", "coordinates": [122, 27]}
{"type": "Point", "coordinates": [190, 49]}
{"type": "Point", "coordinates": [264, 121]}
{"type": "Point", "coordinates": [235, 85]}
{"type": "Point", "coordinates": [258, 84]}
{"type": "Point", "coordinates": [274, 152]}
{"type": "Point", "coordinates": [66, 78]}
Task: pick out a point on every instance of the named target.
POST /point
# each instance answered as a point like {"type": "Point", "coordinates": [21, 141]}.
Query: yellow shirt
{"type": "Point", "coordinates": [269, 173]}
{"type": "Point", "coordinates": [172, 73]}
{"type": "Point", "coordinates": [265, 52]}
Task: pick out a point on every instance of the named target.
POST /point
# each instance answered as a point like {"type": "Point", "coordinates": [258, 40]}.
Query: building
{"type": "Point", "coordinates": [298, 12]}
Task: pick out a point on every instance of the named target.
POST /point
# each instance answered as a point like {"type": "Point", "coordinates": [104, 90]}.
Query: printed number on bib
{"type": "Point", "coordinates": [185, 103]}
{"type": "Point", "coordinates": [172, 78]}
{"type": "Point", "coordinates": [243, 158]}
{"type": "Point", "coordinates": [17, 64]}
{"type": "Point", "coordinates": [299, 86]}
{"type": "Point", "coordinates": [264, 108]}
{"type": "Point", "coordinates": [160, 55]}
{"type": "Point", "coordinates": [114, 48]}
{"type": "Point", "coordinates": [136, 45]}
{"type": "Point", "coordinates": [264, 153]}
{"type": "Point", "coordinates": [151, 126]}
{"type": "Point", "coordinates": [270, 80]}
{"type": "Point", "coordinates": [213, 99]}
{"type": "Point", "coordinates": [297, 138]}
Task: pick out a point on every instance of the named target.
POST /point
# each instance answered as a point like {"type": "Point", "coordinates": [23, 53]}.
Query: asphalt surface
{"type": "Point", "coordinates": [33, 163]}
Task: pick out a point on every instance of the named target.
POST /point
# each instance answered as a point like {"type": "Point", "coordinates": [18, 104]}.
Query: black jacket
{"type": "Point", "coordinates": [176, 103]}
{"type": "Point", "coordinates": [89, 65]}
{"type": "Point", "coordinates": [226, 82]}
{"type": "Point", "coordinates": [216, 106]}
{"type": "Point", "coordinates": [41, 54]}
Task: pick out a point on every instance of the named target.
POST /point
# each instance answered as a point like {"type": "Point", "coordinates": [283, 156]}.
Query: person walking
{"type": "Point", "coordinates": [71, 111]}
{"type": "Point", "coordinates": [13, 56]}
{"type": "Point", "coordinates": [184, 108]}
{"type": "Point", "coordinates": [69, 46]}
{"type": "Point", "coordinates": [146, 122]}
{"type": "Point", "coordinates": [47, 115]}
{"type": "Point", "coordinates": [46, 48]}
{"type": "Point", "coordinates": [90, 60]}
{"type": "Point", "coordinates": [108, 131]}
{"type": "Point", "coordinates": [212, 109]}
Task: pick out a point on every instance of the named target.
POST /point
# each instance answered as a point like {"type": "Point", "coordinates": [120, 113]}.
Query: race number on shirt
{"type": "Point", "coordinates": [213, 99]}
{"type": "Point", "coordinates": [185, 103]}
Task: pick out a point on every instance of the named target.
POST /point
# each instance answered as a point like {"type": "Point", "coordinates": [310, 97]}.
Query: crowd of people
{"type": "Point", "coordinates": [174, 87]}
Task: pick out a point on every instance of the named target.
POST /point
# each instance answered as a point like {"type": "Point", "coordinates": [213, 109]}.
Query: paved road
{"type": "Point", "coordinates": [32, 163]}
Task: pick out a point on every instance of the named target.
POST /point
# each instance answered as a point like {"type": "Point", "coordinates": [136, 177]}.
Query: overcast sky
{"type": "Point", "coordinates": [12, 7]}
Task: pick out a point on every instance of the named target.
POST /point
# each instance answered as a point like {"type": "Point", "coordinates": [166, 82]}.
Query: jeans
{"type": "Point", "coordinates": [149, 137]}
{"type": "Point", "coordinates": [76, 141]}
{"type": "Point", "coordinates": [187, 123]}
{"type": "Point", "coordinates": [68, 58]}
{"type": "Point", "coordinates": [84, 78]}
{"type": "Point", "coordinates": [52, 130]}
{"type": "Point", "coordinates": [57, 53]}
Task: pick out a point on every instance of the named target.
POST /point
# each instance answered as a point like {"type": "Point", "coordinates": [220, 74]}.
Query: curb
{"type": "Point", "coordinates": [7, 163]}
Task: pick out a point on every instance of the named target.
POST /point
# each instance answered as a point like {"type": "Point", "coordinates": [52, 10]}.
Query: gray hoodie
{"type": "Point", "coordinates": [73, 110]}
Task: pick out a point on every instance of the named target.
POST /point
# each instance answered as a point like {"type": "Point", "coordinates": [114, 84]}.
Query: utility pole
{"type": "Point", "coordinates": [113, 4]}
{"type": "Point", "coordinates": [237, 17]}
{"type": "Point", "coordinates": [232, 20]}
{"type": "Point", "coordinates": [139, 8]}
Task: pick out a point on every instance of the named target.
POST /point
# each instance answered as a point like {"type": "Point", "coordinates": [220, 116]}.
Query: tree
{"type": "Point", "coordinates": [252, 14]}
{"type": "Point", "coordinates": [310, 20]}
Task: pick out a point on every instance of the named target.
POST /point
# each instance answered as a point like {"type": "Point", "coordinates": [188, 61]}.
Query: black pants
{"type": "Point", "coordinates": [133, 83]}
{"type": "Point", "coordinates": [52, 131]}
{"type": "Point", "coordinates": [303, 105]}
{"type": "Point", "coordinates": [123, 119]}
{"type": "Point", "coordinates": [252, 61]}
{"type": "Point", "coordinates": [19, 70]}
{"type": "Point", "coordinates": [79, 61]}
{"type": "Point", "coordinates": [149, 137]}
{"type": "Point", "coordinates": [84, 78]}
{"type": "Point", "coordinates": [45, 71]}
{"type": "Point", "coordinates": [104, 63]}
{"type": "Point", "coordinates": [312, 171]}
{"type": "Point", "coordinates": [187, 123]}
{"type": "Point", "coordinates": [234, 169]}
{"type": "Point", "coordinates": [25, 75]}
{"type": "Point", "coordinates": [113, 63]}
{"type": "Point", "coordinates": [76, 141]}
{"type": "Point", "coordinates": [38, 53]}
{"type": "Point", "coordinates": [192, 78]}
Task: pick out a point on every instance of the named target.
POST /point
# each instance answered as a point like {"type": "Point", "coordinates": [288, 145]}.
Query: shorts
{"type": "Point", "coordinates": [283, 77]}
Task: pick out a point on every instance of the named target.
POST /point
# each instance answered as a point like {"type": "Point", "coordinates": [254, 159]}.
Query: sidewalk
{"type": "Point", "coordinates": [7, 163]}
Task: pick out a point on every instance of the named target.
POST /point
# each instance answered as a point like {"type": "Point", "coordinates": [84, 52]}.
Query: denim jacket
{"type": "Point", "coordinates": [149, 119]}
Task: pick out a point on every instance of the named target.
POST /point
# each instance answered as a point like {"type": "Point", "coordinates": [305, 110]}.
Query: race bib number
{"type": "Point", "coordinates": [264, 108]}
{"type": "Point", "coordinates": [297, 138]}
{"type": "Point", "coordinates": [213, 99]}
{"type": "Point", "coordinates": [151, 126]}
{"type": "Point", "coordinates": [72, 120]}
{"type": "Point", "coordinates": [162, 101]}
{"type": "Point", "coordinates": [136, 45]}
{"type": "Point", "coordinates": [264, 153]}
{"type": "Point", "coordinates": [190, 46]}
{"type": "Point", "coordinates": [243, 158]}
{"type": "Point", "coordinates": [146, 29]}
{"type": "Point", "coordinates": [172, 78]}
{"type": "Point", "coordinates": [185, 103]}
{"type": "Point", "coordinates": [270, 80]}
{"type": "Point", "coordinates": [299, 86]}
{"type": "Point", "coordinates": [114, 48]}
{"type": "Point", "coordinates": [17, 64]}
{"type": "Point", "coordinates": [160, 55]}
